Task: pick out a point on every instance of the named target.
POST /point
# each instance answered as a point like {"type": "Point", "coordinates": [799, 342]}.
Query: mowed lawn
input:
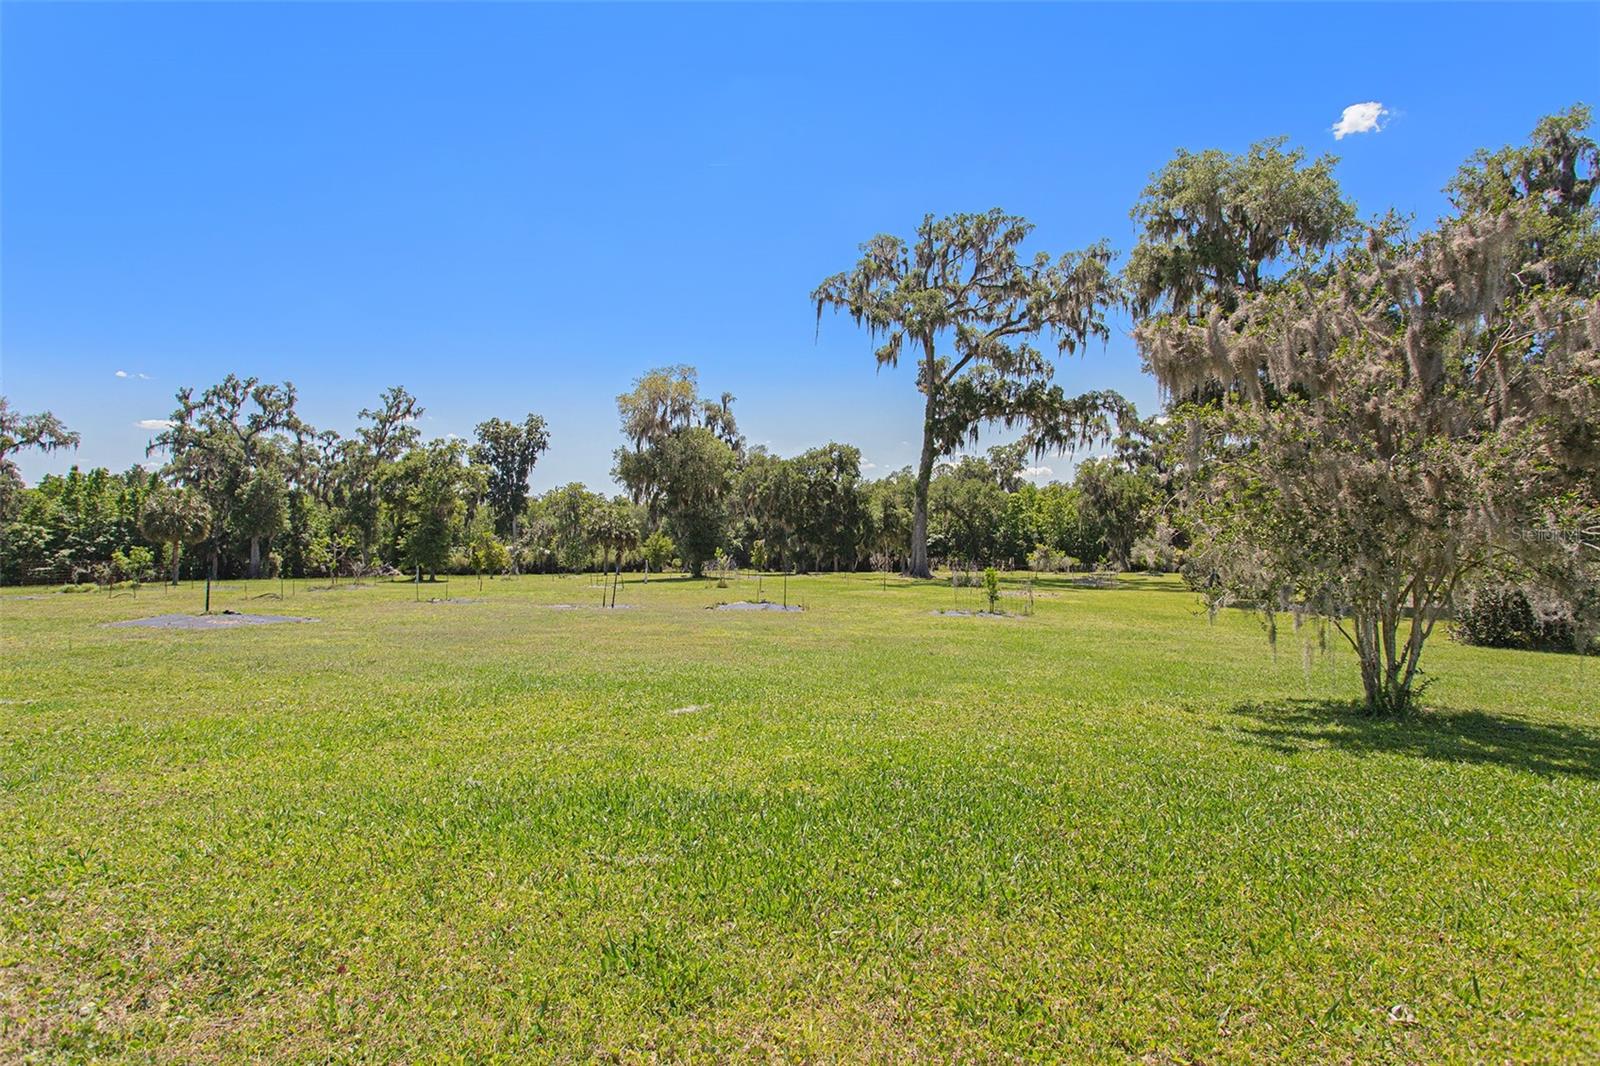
{"type": "Point", "coordinates": [1111, 831]}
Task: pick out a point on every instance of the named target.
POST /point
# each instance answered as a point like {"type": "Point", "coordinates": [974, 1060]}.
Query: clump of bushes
{"type": "Point", "coordinates": [1502, 614]}
{"type": "Point", "coordinates": [1046, 560]}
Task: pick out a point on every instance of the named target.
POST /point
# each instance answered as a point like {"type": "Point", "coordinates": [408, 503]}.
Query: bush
{"type": "Point", "coordinates": [1046, 560]}
{"type": "Point", "coordinates": [136, 565]}
{"type": "Point", "coordinates": [1501, 614]}
{"type": "Point", "coordinates": [991, 587]}
{"type": "Point", "coordinates": [1155, 551]}
{"type": "Point", "coordinates": [659, 551]}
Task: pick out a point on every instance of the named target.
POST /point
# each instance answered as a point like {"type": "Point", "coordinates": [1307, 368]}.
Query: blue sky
{"type": "Point", "coordinates": [513, 208]}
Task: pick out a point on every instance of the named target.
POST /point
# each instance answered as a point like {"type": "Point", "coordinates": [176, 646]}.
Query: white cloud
{"type": "Point", "coordinates": [143, 377]}
{"type": "Point", "coordinates": [154, 423]}
{"type": "Point", "coordinates": [122, 373]}
{"type": "Point", "coordinates": [1360, 118]}
{"type": "Point", "coordinates": [1036, 472]}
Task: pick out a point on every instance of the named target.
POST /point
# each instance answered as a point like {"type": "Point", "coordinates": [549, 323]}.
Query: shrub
{"type": "Point", "coordinates": [991, 588]}
{"type": "Point", "coordinates": [1046, 560]}
{"type": "Point", "coordinates": [1502, 614]}
{"type": "Point", "coordinates": [1155, 550]}
{"type": "Point", "coordinates": [136, 565]}
{"type": "Point", "coordinates": [658, 550]}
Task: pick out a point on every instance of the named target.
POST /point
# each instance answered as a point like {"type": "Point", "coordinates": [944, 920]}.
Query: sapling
{"type": "Point", "coordinates": [758, 560]}
{"type": "Point", "coordinates": [991, 588]}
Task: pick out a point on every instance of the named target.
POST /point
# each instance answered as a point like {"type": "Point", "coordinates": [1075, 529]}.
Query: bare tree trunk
{"type": "Point", "coordinates": [1387, 674]}
{"type": "Point", "coordinates": [177, 554]}
{"type": "Point", "coordinates": [918, 566]}
{"type": "Point", "coordinates": [255, 557]}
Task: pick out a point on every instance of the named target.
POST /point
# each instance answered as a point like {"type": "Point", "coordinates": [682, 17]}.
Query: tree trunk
{"type": "Point", "coordinates": [918, 566]}
{"type": "Point", "coordinates": [1385, 682]}
{"type": "Point", "coordinates": [255, 557]}
{"type": "Point", "coordinates": [177, 550]}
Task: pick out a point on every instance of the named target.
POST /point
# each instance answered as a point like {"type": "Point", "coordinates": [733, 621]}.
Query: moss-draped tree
{"type": "Point", "coordinates": [964, 302]}
{"type": "Point", "coordinates": [1397, 417]}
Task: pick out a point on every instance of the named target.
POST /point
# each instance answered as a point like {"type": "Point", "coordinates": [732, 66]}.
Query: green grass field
{"type": "Point", "coordinates": [1111, 831]}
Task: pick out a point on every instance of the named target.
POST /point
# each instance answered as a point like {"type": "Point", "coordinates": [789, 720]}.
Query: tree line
{"type": "Point", "coordinates": [249, 489]}
{"type": "Point", "coordinates": [1364, 419]}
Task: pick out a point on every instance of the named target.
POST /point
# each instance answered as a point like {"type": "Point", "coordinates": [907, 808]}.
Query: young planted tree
{"type": "Point", "coordinates": [1396, 419]}
{"type": "Point", "coordinates": [508, 452]}
{"type": "Point", "coordinates": [486, 553]}
{"type": "Point", "coordinates": [175, 517]}
{"type": "Point", "coordinates": [966, 304]}
{"type": "Point", "coordinates": [659, 551]}
{"type": "Point", "coordinates": [615, 527]}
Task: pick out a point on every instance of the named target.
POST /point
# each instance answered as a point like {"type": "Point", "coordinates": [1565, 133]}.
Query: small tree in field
{"type": "Point", "coordinates": [485, 552]}
{"type": "Point", "coordinates": [991, 588]}
{"type": "Point", "coordinates": [659, 551]}
{"type": "Point", "coordinates": [1402, 416]}
{"type": "Point", "coordinates": [615, 527]}
{"type": "Point", "coordinates": [175, 517]}
{"type": "Point", "coordinates": [135, 565]}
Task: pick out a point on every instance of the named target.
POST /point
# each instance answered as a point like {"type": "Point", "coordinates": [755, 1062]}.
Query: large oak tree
{"type": "Point", "coordinates": [965, 304]}
{"type": "Point", "coordinates": [1400, 416]}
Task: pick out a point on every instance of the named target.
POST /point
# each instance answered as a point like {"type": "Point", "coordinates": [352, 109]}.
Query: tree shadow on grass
{"type": "Point", "coordinates": [1291, 726]}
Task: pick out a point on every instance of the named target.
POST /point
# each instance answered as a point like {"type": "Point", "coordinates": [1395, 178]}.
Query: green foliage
{"type": "Point", "coordinates": [231, 445]}
{"type": "Point", "coordinates": [1213, 224]}
{"type": "Point", "coordinates": [424, 500]}
{"type": "Point", "coordinates": [967, 304]}
{"type": "Point", "coordinates": [1496, 612]}
{"type": "Point", "coordinates": [991, 588]}
{"type": "Point", "coordinates": [137, 564]}
{"type": "Point", "coordinates": [486, 553]}
{"type": "Point", "coordinates": [809, 511]}
{"type": "Point", "coordinates": [311, 544]}
{"type": "Point", "coordinates": [697, 473]}
{"type": "Point", "coordinates": [1557, 170]}
{"type": "Point", "coordinates": [567, 515]}
{"type": "Point", "coordinates": [71, 523]}
{"type": "Point", "coordinates": [19, 432]}
{"type": "Point", "coordinates": [1402, 416]}
{"type": "Point", "coordinates": [359, 465]}
{"type": "Point", "coordinates": [663, 404]}
{"type": "Point", "coordinates": [508, 452]}
{"type": "Point", "coordinates": [614, 526]}
{"type": "Point", "coordinates": [659, 551]}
